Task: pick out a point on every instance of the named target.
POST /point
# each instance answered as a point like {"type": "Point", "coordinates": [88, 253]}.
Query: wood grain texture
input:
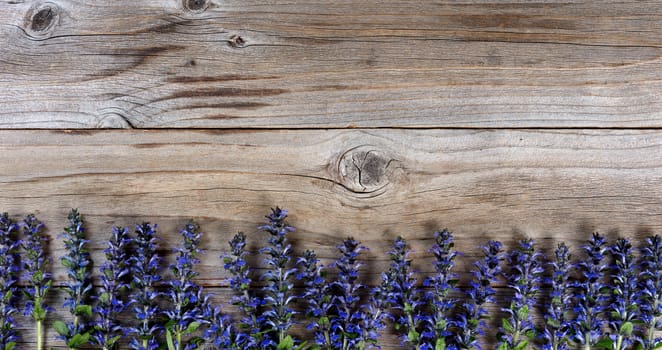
{"type": "Point", "coordinates": [316, 64]}
{"type": "Point", "coordinates": [373, 184]}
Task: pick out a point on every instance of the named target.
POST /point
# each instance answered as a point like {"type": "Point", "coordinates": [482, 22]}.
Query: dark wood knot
{"type": "Point", "coordinates": [236, 41]}
{"type": "Point", "coordinates": [196, 5]}
{"type": "Point", "coordinates": [364, 169]}
{"type": "Point", "coordinates": [41, 20]}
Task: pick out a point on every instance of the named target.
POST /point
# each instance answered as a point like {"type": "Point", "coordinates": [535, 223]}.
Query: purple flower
{"type": "Point", "coordinates": [405, 296]}
{"type": "Point", "coordinates": [317, 297]}
{"type": "Point", "coordinates": [442, 283]}
{"type": "Point", "coordinates": [524, 279]}
{"type": "Point", "coordinates": [469, 321]}
{"type": "Point", "coordinates": [77, 263]}
{"type": "Point", "coordinates": [249, 330]}
{"type": "Point", "coordinates": [278, 289]}
{"type": "Point", "coordinates": [589, 298]}
{"type": "Point", "coordinates": [623, 304]}
{"type": "Point", "coordinates": [145, 266]}
{"type": "Point", "coordinates": [183, 294]}
{"type": "Point", "coordinates": [650, 298]}
{"type": "Point", "coordinates": [114, 282]}
{"type": "Point", "coordinates": [556, 331]}
{"type": "Point", "coordinates": [220, 331]}
{"type": "Point", "coordinates": [9, 274]}
{"type": "Point", "coordinates": [37, 276]}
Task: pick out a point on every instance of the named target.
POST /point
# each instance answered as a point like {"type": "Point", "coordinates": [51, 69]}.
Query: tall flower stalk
{"type": "Point", "coordinates": [589, 296]}
{"type": "Point", "coordinates": [278, 277]}
{"type": "Point", "coordinates": [442, 283]}
{"type": "Point", "coordinates": [348, 326]}
{"type": "Point", "coordinates": [524, 279]}
{"type": "Point", "coordinates": [77, 263]}
{"type": "Point", "coordinates": [556, 331]}
{"type": "Point", "coordinates": [183, 293]}
{"type": "Point", "coordinates": [470, 320]}
{"type": "Point", "coordinates": [650, 299]}
{"type": "Point", "coordinates": [114, 283]}
{"type": "Point", "coordinates": [249, 332]}
{"type": "Point", "coordinates": [406, 298]}
{"type": "Point", "coordinates": [318, 298]}
{"type": "Point", "coordinates": [145, 265]}
{"type": "Point", "coordinates": [37, 275]}
{"type": "Point", "coordinates": [623, 304]}
{"type": "Point", "coordinates": [9, 275]}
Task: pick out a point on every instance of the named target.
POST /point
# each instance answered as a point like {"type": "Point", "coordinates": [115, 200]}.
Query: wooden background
{"type": "Point", "coordinates": [367, 118]}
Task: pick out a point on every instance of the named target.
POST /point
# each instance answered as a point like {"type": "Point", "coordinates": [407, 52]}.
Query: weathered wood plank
{"type": "Point", "coordinates": [228, 64]}
{"type": "Point", "coordinates": [373, 184]}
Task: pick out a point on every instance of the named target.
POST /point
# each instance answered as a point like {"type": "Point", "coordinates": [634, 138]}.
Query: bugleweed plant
{"type": "Point", "coordinates": [469, 323]}
{"type": "Point", "coordinates": [145, 266]}
{"type": "Point", "coordinates": [623, 306]}
{"type": "Point", "coordinates": [184, 295]}
{"type": "Point", "coordinates": [37, 275]}
{"type": "Point", "coordinates": [111, 301]}
{"type": "Point", "coordinates": [524, 278]}
{"type": "Point", "coordinates": [439, 302]}
{"type": "Point", "coordinates": [650, 297]}
{"type": "Point", "coordinates": [278, 295]}
{"type": "Point", "coordinates": [9, 275]}
{"type": "Point", "coordinates": [606, 301]}
{"type": "Point", "coordinates": [556, 331]}
{"type": "Point", "coordinates": [77, 263]}
{"type": "Point", "coordinates": [589, 293]}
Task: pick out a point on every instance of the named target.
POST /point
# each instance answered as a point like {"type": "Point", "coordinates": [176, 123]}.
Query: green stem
{"type": "Point", "coordinates": [619, 341]}
{"type": "Point", "coordinates": [179, 340]}
{"type": "Point", "coordinates": [39, 335]}
{"type": "Point", "coordinates": [144, 343]}
{"type": "Point", "coordinates": [587, 339]}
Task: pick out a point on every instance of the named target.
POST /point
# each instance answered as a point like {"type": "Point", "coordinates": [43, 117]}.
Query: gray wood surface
{"type": "Point", "coordinates": [278, 64]}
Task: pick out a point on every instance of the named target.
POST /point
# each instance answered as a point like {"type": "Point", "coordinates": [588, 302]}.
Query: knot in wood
{"type": "Point", "coordinates": [196, 5]}
{"type": "Point", "coordinates": [364, 169]}
{"type": "Point", "coordinates": [41, 20]}
{"type": "Point", "coordinates": [236, 41]}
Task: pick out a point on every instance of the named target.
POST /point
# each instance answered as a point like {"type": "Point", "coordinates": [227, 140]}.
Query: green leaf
{"type": "Point", "coordinates": [503, 346]}
{"type": "Point", "coordinates": [78, 340]}
{"type": "Point", "coordinates": [658, 345]}
{"type": "Point", "coordinates": [440, 345]}
{"type": "Point", "coordinates": [626, 329]}
{"type": "Point", "coordinates": [192, 328]}
{"type": "Point", "coordinates": [286, 344]}
{"type": "Point", "coordinates": [61, 328]}
{"type": "Point", "coordinates": [38, 313]}
{"type": "Point", "coordinates": [523, 313]}
{"type": "Point", "coordinates": [83, 309]}
{"type": "Point", "coordinates": [412, 336]}
{"type": "Point", "coordinates": [10, 345]}
{"type": "Point", "coordinates": [171, 344]}
{"type": "Point", "coordinates": [505, 324]}
{"type": "Point", "coordinates": [522, 345]}
{"type": "Point", "coordinates": [114, 340]}
{"type": "Point", "coordinates": [604, 343]}
{"type": "Point", "coordinates": [323, 322]}
{"type": "Point", "coordinates": [408, 309]}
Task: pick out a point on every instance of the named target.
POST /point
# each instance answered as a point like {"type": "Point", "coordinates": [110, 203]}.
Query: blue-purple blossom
{"type": "Point", "coordinates": [623, 304]}
{"type": "Point", "coordinates": [524, 279]}
{"type": "Point", "coordinates": [442, 282]}
{"type": "Point", "coordinates": [249, 328]}
{"type": "Point", "coordinates": [405, 297]}
{"type": "Point", "coordinates": [77, 262]}
{"type": "Point", "coordinates": [469, 322]}
{"type": "Point", "coordinates": [220, 330]}
{"type": "Point", "coordinates": [183, 294]}
{"type": "Point", "coordinates": [556, 332]}
{"type": "Point", "coordinates": [589, 297]}
{"type": "Point", "coordinates": [9, 274]}
{"type": "Point", "coordinates": [650, 298]}
{"type": "Point", "coordinates": [348, 327]}
{"type": "Point", "coordinates": [37, 275]}
{"type": "Point", "coordinates": [145, 271]}
{"type": "Point", "coordinates": [278, 288]}
{"type": "Point", "coordinates": [317, 296]}
{"type": "Point", "coordinates": [114, 282]}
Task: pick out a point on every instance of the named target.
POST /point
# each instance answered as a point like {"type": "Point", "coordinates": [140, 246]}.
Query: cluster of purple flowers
{"type": "Point", "coordinates": [610, 299]}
